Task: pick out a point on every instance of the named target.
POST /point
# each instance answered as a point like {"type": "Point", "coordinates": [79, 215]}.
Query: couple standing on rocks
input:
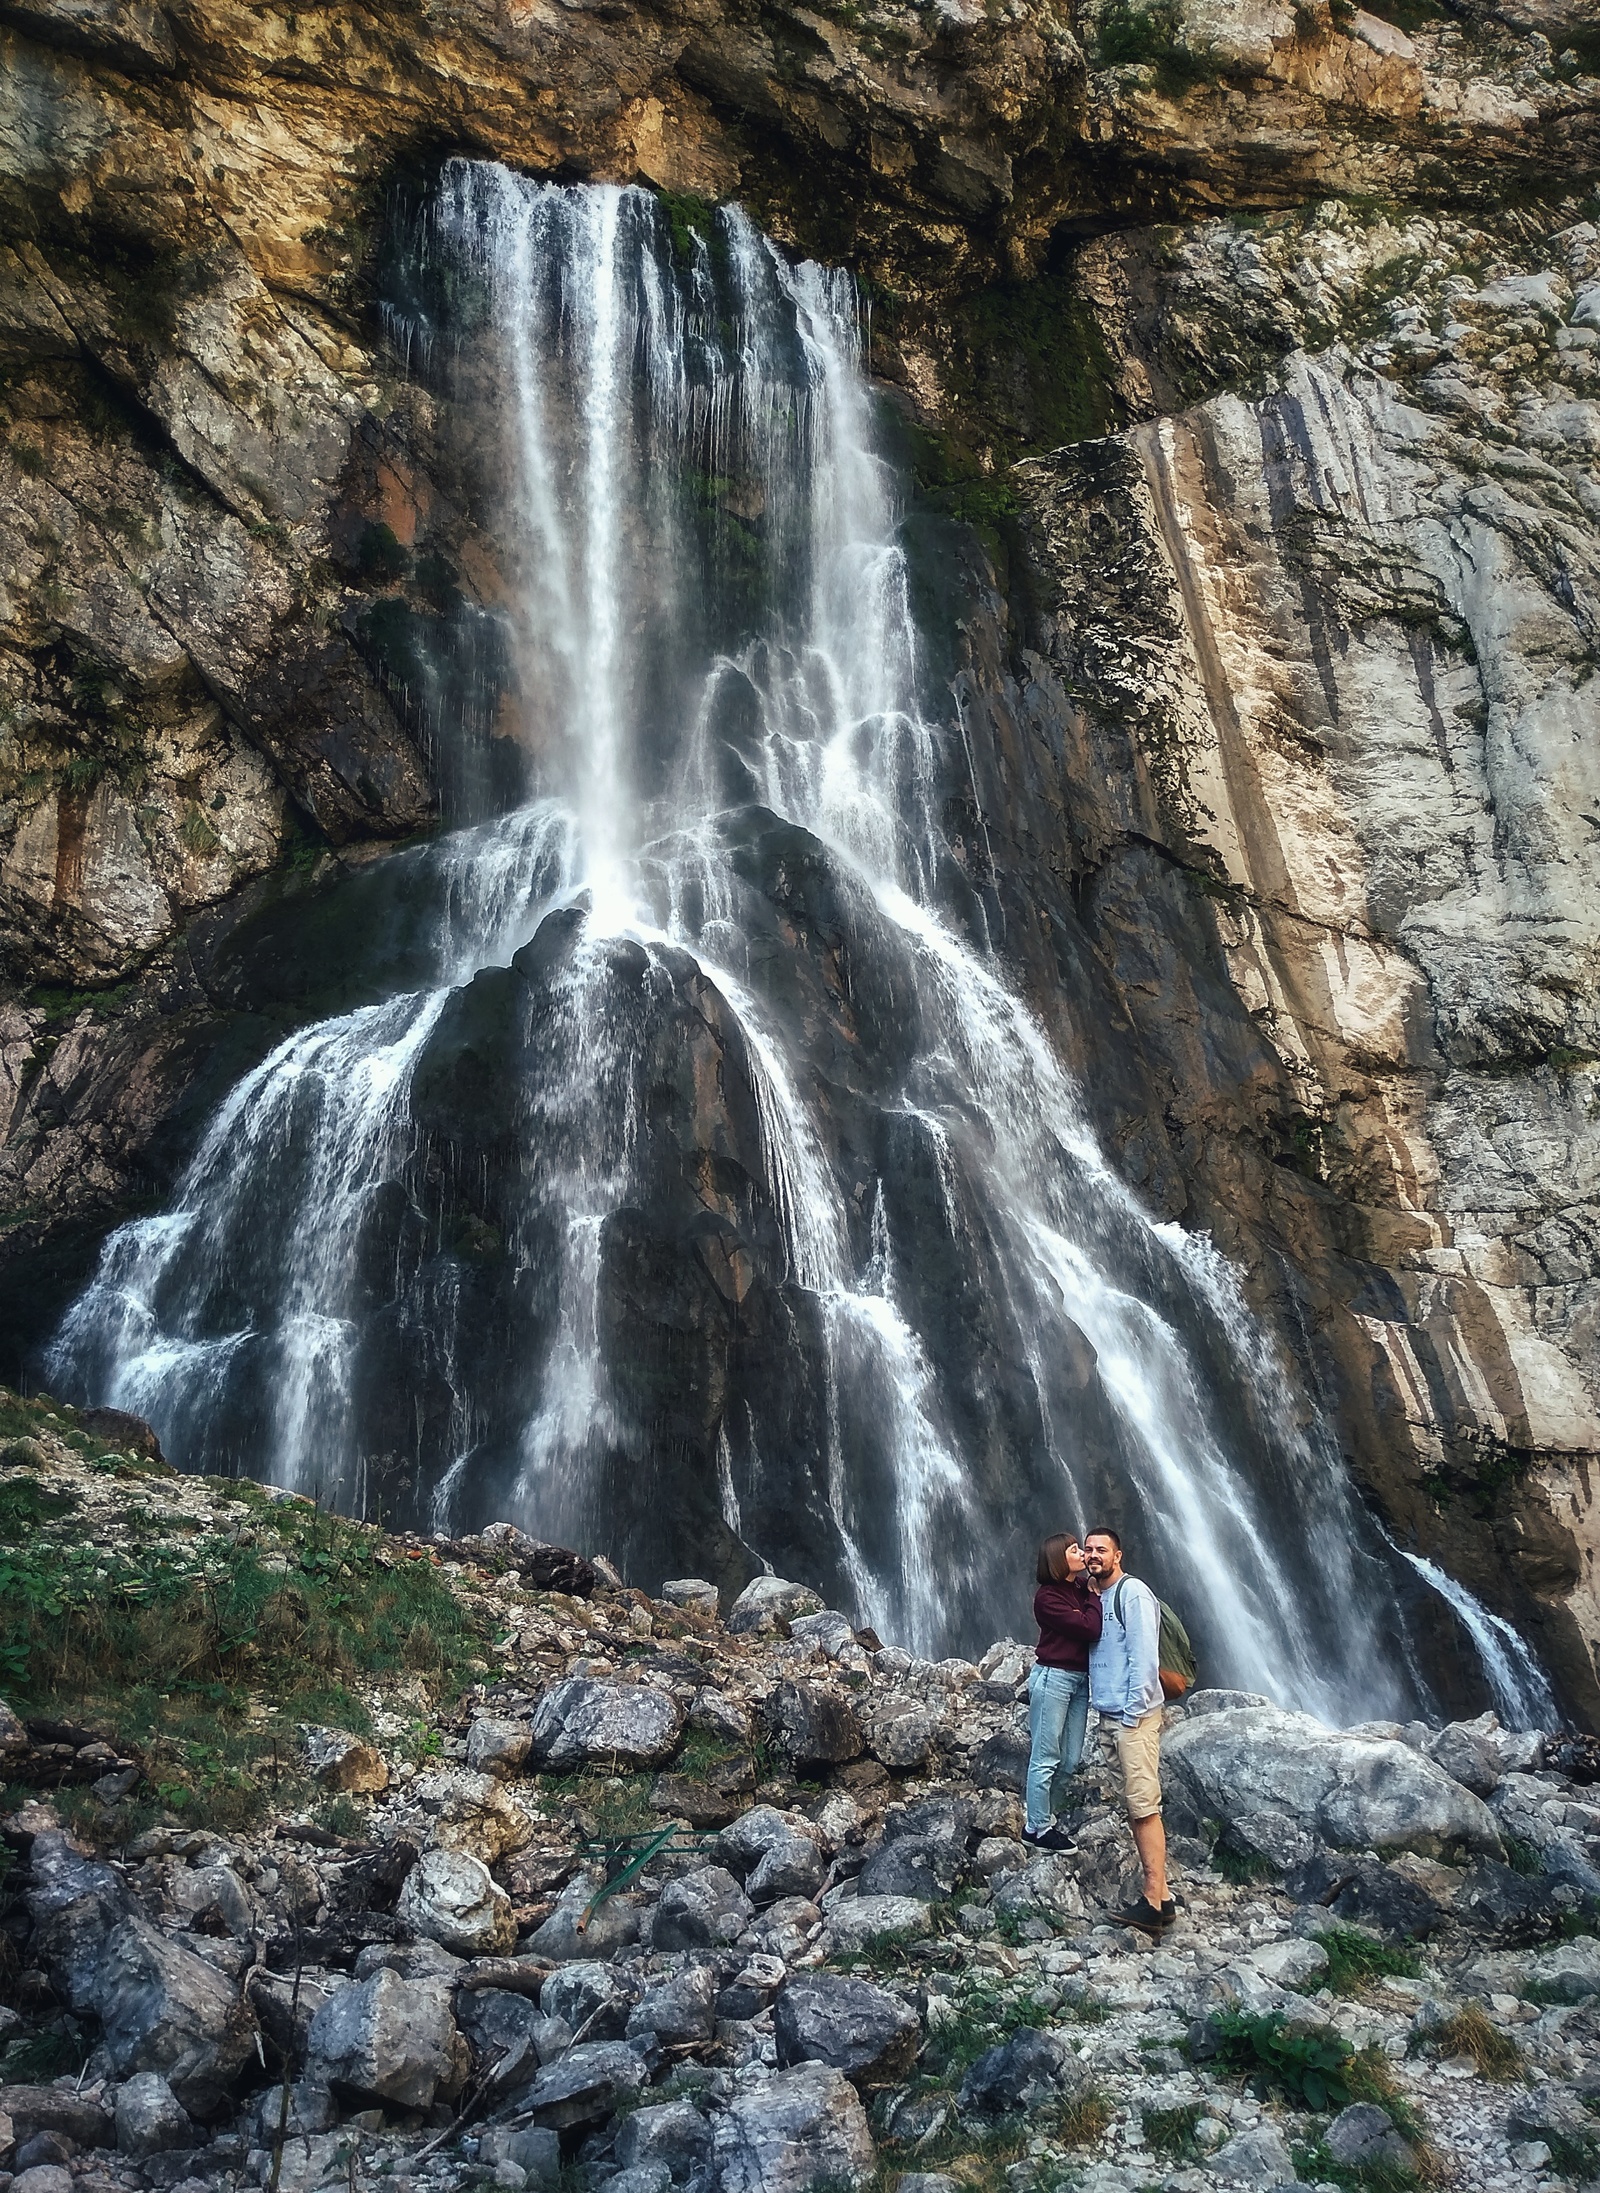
{"type": "Point", "coordinates": [1099, 1645]}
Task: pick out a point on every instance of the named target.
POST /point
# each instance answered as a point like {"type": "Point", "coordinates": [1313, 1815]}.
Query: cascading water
{"type": "Point", "coordinates": [709, 1193]}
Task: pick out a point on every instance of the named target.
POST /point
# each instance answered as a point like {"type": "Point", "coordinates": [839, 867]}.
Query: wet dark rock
{"type": "Point", "coordinates": [705, 1909]}
{"type": "Point", "coordinates": [817, 1727]}
{"type": "Point", "coordinates": [1001, 1761]}
{"type": "Point", "coordinates": [84, 2118]}
{"type": "Point", "coordinates": [496, 2022]}
{"type": "Point", "coordinates": [908, 1866]}
{"type": "Point", "coordinates": [861, 2030]}
{"type": "Point", "coordinates": [701, 1803]}
{"type": "Point", "coordinates": [1022, 2073]}
{"type": "Point", "coordinates": [1504, 1904]}
{"type": "Point", "coordinates": [44, 2147]}
{"type": "Point", "coordinates": [1364, 1892]}
{"type": "Point", "coordinates": [119, 1429]}
{"type": "Point", "coordinates": [573, 1933]}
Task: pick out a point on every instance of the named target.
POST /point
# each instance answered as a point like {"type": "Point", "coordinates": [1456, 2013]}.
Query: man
{"type": "Point", "coordinates": [1125, 1689]}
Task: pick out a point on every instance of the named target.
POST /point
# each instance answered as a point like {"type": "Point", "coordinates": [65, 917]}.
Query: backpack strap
{"type": "Point", "coordinates": [1116, 1599]}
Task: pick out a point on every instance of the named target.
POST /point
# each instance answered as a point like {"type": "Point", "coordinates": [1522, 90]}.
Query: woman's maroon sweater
{"type": "Point", "coordinates": [1069, 1618]}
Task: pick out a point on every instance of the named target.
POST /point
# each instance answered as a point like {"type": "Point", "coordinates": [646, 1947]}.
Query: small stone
{"type": "Point", "coordinates": [340, 1761]}
{"type": "Point", "coordinates": [498, 1747]}
{"type": "Point", "coordinates": [150, 2118]}
{"type": "Point", "coordinates": [1529, 2154]}
{"type": "Point", "coordinates": [43, 2178]}
{"type": "Point", "coordinates": [1296, 1964]}
{"type": "Point", "coordinates": [1259, 2157]}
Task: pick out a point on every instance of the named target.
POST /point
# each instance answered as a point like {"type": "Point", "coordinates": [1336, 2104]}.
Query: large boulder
{"type": "Point", "coordinates": [792, 1866]}
{"type": "Point", "coordinates": [162, 2008]}
{"type": "Point", "coordinates": [496, 2023]}
{"type": "Point", "coordinates": [498, 1746]}
{"type": "Point", "coordinates": [679, 2009]}
{"type": "Point", "coordinates": [1569, 1971]}
{"type": "Point", "coordinates": [861, 2030]}
{"type": "Point", "coordinates": [1359, 1792]}
{"type": "Point", "coordinates": [460, 1810]}
{"type": "Point", "coordinates": [1257, 2157]}
{"type": "Point", "coordinates": [1363, 2136]}
{"type": "Point", "coordinates": [856, 1921]}
{"type": "Point", "coordinates": [818, 1727]}
{"type": "Point", "coordinates": [451, 1898]}
{"type": "Point", "coordinates": [768, 1600]}
{"type": "Point", "coordinates": [582, 1722]}
{"type": "Point", "coordinates": [901, 1733]}
{"type": "Point", "coordinates": [75, 1902]}
{"type": "Point", "coordinates": [803, 2128]}
{"type": "Point", "coordinates": [388, 2040]}
{"type": "Point", "coordinates": [706, 1909]}
{"type": "Point", "coordinates": [1048, 1887]}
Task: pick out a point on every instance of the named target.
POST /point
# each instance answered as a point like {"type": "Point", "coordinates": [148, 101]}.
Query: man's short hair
{"type": "Point", "coordinates": [1100, 1531]}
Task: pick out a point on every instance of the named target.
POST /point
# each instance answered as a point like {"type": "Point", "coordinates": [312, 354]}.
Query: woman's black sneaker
{"type": "Point", "coordinates": [1144, 1916]}
{"type": "Point", "coordinates": [1052, 1838]}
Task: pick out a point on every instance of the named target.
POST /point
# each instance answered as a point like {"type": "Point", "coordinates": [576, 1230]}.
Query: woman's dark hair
{"type": "Point", "coordinates": [1052, 1569]}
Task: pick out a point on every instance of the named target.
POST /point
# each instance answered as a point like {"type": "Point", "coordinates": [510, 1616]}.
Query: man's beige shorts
{"type": "Point", "coordinates": [1139, 1752]}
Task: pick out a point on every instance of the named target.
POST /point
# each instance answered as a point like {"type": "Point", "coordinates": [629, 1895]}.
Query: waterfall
{"type": "Point", "coordinates": [716, 1197]}
{"type": "Point", "coordinates": [1521, 1693]}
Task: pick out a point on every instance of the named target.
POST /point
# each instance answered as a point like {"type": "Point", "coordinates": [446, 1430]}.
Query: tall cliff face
{"type": "Point", "coordinates": [1278, 643]}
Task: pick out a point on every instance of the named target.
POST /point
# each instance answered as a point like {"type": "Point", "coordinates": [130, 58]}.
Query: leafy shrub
{"type": "Point", "coordinates": [1313, 2066]}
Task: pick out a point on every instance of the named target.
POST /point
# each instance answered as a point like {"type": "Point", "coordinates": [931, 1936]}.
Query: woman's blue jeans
{"type": "Point", "coordinates": [1058, 1714]}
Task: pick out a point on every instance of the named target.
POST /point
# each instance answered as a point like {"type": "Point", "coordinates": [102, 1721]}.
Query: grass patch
{"type": "Point", "coordinates": [1470, 2033]}
{"type": "Point", "coordinates": [1242, 1867]}
{"type": "Point", "coordinates": [1132, 36]}
{"type": "Point", "coordinates": [161, 1641]}
{"type": "Point", "coordinates": [1354, 1959]}
{"type": "Point", "coordinates": [1085, 2119]}
{"type": "Point", "coordinates": [1315, 2165]}
{"type": "Point", "coordinates": [984, 2018]}
{"type": "Point", "coordinates": [1524, 1858]}
{"type": "Point", "coordinates": [1169, 2133]}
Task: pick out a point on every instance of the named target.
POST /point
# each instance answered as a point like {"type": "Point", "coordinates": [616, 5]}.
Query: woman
{"type": "Point", "coordinates": [1067, 1610]}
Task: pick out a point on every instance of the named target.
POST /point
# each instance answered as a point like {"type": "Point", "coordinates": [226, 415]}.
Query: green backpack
{"type": "Point", "coordinates": [1174, 1652]}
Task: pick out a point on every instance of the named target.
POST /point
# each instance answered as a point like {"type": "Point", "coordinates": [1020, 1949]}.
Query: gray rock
{"type": "Point", "coordinates": [1000, 1761]}
{"type": "Point", "coordinates": [768, 1600]}
{"type": "Point", "coordinates": [340, 1761]}
{"type": "Point", "coordinates": [1215, 1701]}
{"type": "Point", "coordinates": [679, 2009]}
{"type": "Point", "coordinates": [1357, 1792]}
{"type": "Point", "coordinates": [911, 1865]}
{"type": "Point", "coordinates": [902, 1733]}
{"type": "Point", "coordinates": [74, 1901]}
{"type": "Point", "coordinates": [1554, 2114]}
{"type": "Point", "coordinates": [827, 1632]}
{"type": "Point", "coordinates": [1021, 2073]}
{"type": "Point", "coordinates": [1258, 2157]}
{"type": "Point", "coordinates": [854, 1921]}
{"type": "Point", "coordinates": [499, 1747]}
{"type": "Point", "coordinates": [671, 2134]}
{"type": "Point", "coordinates": [861, 2030]}
{"type": "Point", "coordinates": [582, 1721]}
{"type": "Point", "coordinates": [925, 2181]}
{"type": "Point", "coordinates": [422, 1960]}
{"type": "Point", "coordinates": [150, 2117]}
{"type": "Point", "coordinates": [388, 2040]}
{"type": "Point", "coordinates": [1296, 1964]}
{"type": "Point", "coordinates": [642, 2178]}
{"type": "Point", "coordinates": [1283, 1842]}
{"type": "Point", "coordinates": [590, 1997]}
{"type": "Point", "coordinates": [537, 2150]}
{"type": "Point", "coordinates": [706, 1909]}
{"type": "Point", "coordinates": [586, 2085]}
{"type": "Point", "coordinates": [716, 1714]}
{"type": "Point", "coordinates": [43, 2178]}
{"type": "Point", "coordinates": [690, 1591]}
{"type": "Point", "coordinates": [1362, 2135]}
{"type": "Point", "coordinates": [1462, 1749]}
{"type": "Point", "coordinates": [1048, 1887]}
{"type": "Point", "coordinates": [1568, 1971]}
{"type": "Point", "coordinates": [744, 1842]}
{"type": "Point", "coordinates": [84, 2118]}
{"type": "Point", "coordinates": [803, 2128]}
{"type": "Point", "coordinates": [496, 2023]}
{"type": "Point", "coordinates": [816, 1726]}
{"type": "Point", "coordinates": [164, 2009]}
{"type": "Point", "coordinates": [565, 1936]}
{"type": "Point", "coordinates": [451, 1898]}
{"type": "Point", "coordinates": [793, 1866]}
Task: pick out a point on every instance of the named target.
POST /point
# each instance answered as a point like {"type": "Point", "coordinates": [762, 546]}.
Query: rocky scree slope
{"type": "Point", "coordinates": [1287, 811]}
{"type": "Point", "coordinates": [245, 1948]}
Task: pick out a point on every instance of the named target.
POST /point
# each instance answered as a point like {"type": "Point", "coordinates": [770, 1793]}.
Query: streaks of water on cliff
{"type": "Point", "coordinates": [1522, 1695]}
